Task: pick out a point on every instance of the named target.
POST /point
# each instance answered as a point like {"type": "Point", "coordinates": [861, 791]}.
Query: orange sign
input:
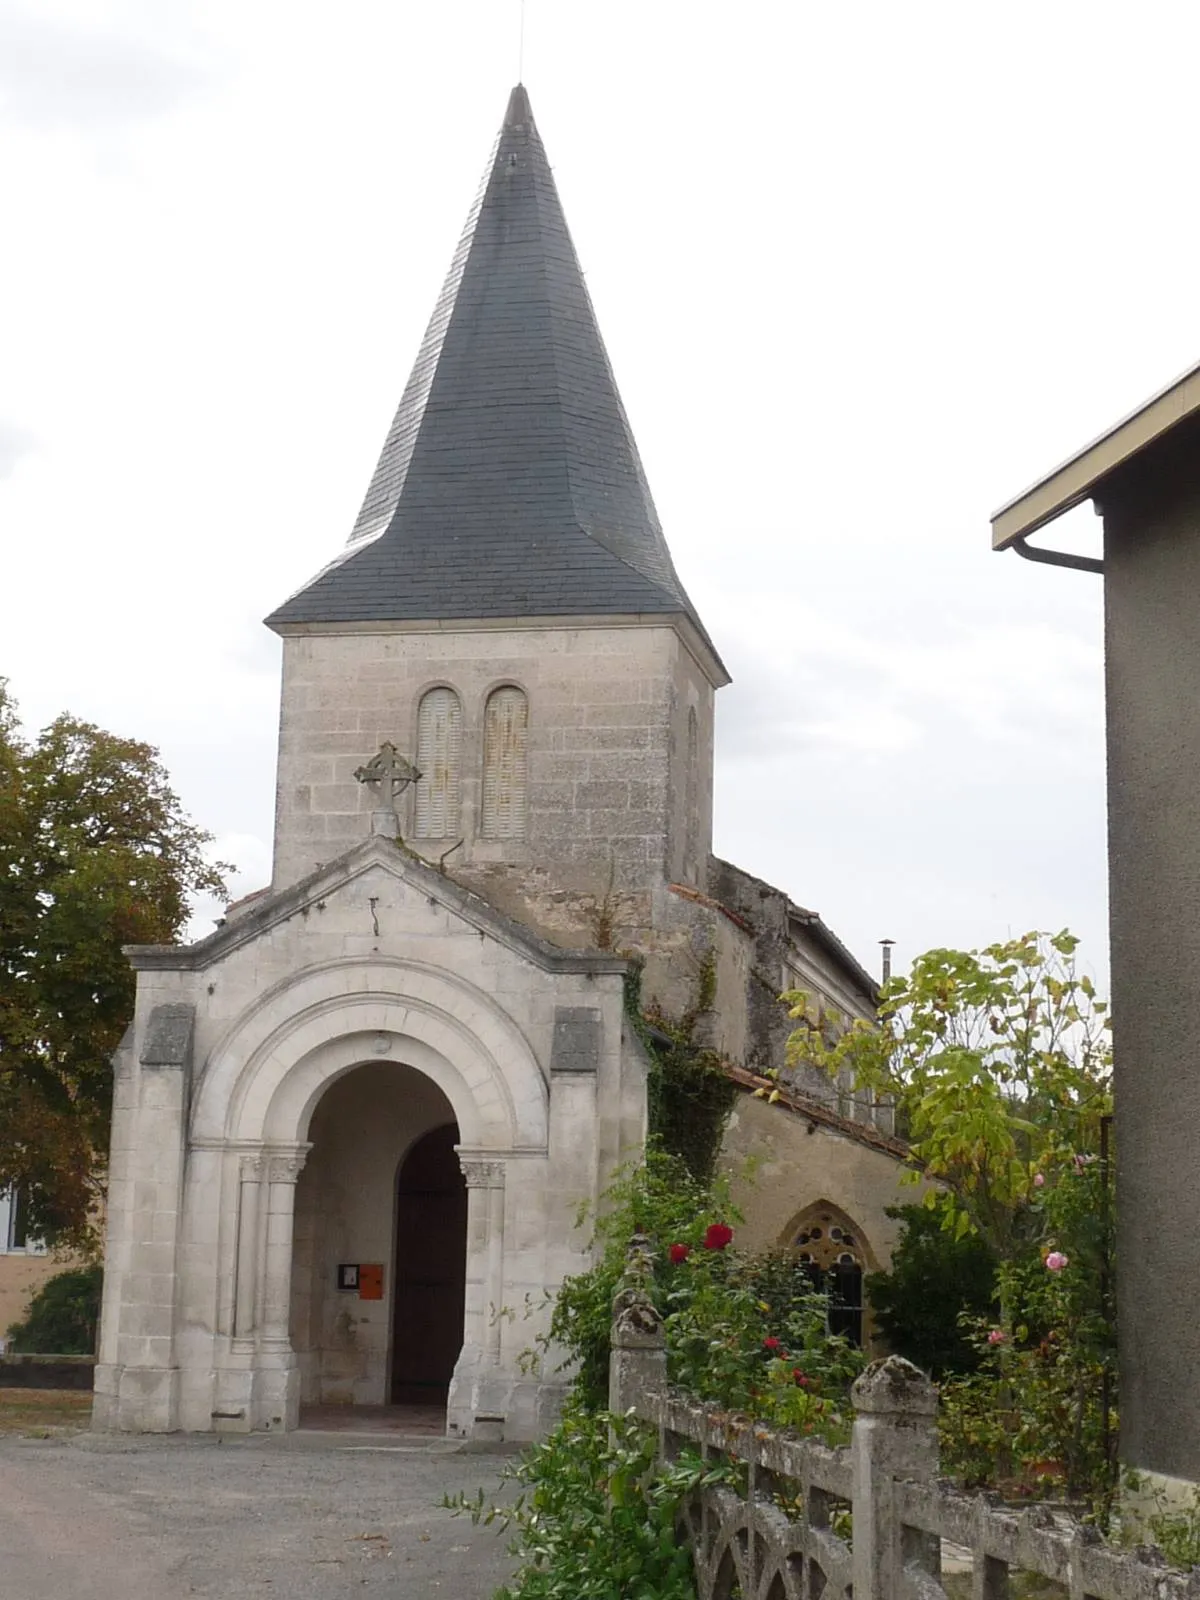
{"type": "Point", "coordinates": [370, 1280]}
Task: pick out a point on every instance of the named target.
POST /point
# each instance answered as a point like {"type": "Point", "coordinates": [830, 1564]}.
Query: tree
{"type": "Point", "coordinates": [95, 853]}
{"type": "Point", "coordinates": [999, 1066]}
{"type": "Point", "coordinates": [63, 1315]}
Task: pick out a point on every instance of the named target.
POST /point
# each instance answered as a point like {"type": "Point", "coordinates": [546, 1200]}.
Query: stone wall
{"type": "Point", "coordinates": [610, 800]}
{"type": "Point", "coordinates": [782, 1163]}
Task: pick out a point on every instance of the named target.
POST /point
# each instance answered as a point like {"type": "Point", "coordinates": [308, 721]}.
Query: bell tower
{"type": "Point", "coordinates": [506, 612]}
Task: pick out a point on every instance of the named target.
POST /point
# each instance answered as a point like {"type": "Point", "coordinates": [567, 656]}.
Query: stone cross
{"type": "Point", "coordinates": [392, 773]}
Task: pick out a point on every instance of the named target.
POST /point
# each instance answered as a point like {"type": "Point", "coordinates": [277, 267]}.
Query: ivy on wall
{"type": "Point", "coordinates": [689, 1095]}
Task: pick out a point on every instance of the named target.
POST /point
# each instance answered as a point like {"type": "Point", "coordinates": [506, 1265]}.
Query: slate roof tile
{"type": "Point", "coordinates": [509, 483]}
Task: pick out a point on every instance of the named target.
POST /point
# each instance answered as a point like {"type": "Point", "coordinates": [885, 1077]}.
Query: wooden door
{"type": "Point", "coordinates": [430, 1270]}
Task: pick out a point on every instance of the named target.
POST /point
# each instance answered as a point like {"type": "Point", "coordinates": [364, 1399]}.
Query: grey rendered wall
{"type": "Point", "coordinates": [1152, 603]}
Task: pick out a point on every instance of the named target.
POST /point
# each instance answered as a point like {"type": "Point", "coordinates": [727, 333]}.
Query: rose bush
{"type": "Point", "coordinates": [745, 1332]}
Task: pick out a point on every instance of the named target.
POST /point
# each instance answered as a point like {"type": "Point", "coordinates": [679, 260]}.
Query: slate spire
{"type": "Point", "coordinates": [509, 483]}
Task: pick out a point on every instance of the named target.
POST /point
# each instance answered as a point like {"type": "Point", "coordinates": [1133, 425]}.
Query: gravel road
{"type": "Point", "coordinates": [303, 1516]}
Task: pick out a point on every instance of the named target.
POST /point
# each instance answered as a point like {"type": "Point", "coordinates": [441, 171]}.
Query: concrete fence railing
{"type": "Point", "coordinates": [866, 1520]}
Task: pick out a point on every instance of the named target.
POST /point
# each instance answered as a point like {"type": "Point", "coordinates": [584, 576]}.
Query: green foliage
{"type": "Point", "coordinates": [596, 1516]}
{"type": "Point", "coordinates": [661, 1199]}
{"type": "Point", "coordinates": [1174, 1528]}
{"type": "Point", "coordinates": [689, 1096]}
{"type": "Point", "coordinates": [598, 1509]}
{"type": "Point", "coordinates": [1041, 1407]}
{"type": "Point", "coordinates": [63, 1316]}
{"type": "Point", "coordinates": [999, 1066]}
{"type": "Point", "coordinates": [1177, 1535]}
{"type": "Point", "coordinates": [750, 1334]}
{"type": "Point", "coordinates": [738, 1328]}
{"type": "Point", "coordinates": [97, 854]}
{"type": "Point", "coordinates": [935, 1279]}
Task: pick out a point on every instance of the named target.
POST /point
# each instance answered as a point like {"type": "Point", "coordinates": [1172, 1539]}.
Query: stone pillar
{"type": "Point", "coordinates": [637, 1364]}
{"type": "Point", "coordinates": [250, 1175]}
{"type": "Point", "coordinates": [477, 1405]}
{"type": "Point", "coordinates": [276, 1398]}
{"type": "Point", "coordinates": [138, 1384]}
{"type": "Point", "coordinates": [485, 1197]}
{"type": "Point", "coordinates": [895, 1436]}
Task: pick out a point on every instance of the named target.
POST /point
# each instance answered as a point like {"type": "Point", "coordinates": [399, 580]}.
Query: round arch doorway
{"type": "Point", "coordinates": [429, 1269]}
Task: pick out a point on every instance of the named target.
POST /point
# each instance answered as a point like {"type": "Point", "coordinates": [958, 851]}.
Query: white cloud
{"type": "Point", "coordinates": [15, 442]}
{"type": "Point", "coordinates": [56, 73]}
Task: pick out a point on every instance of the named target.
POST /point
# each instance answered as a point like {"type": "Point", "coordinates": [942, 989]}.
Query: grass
{"type": "Point", "coordinates": [44, 1413]}
{"type": "Point", "coordinates": [1021, 1586]}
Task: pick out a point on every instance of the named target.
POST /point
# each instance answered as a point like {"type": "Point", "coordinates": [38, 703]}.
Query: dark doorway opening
{"type": "Point", "coordinates": [430, 1271]}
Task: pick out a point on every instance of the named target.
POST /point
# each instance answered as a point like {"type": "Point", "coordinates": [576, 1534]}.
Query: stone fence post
{"type": "Point", "coordinates": [637, 1366]}
{"type": "Point", "coordinates": [895, 1436]}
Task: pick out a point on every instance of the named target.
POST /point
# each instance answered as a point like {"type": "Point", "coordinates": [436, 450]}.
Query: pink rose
{"type": "Point", "coordinates": [1056, 1261]}
{"type": "Point", "coordinates": [996, 1336]}
{"type": "Point", "coordinates": [1038, 1180]}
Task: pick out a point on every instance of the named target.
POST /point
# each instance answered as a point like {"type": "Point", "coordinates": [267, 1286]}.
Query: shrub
{"type": "Point", "coordinates": [597, 1512]}
{"type": "Point", "coordinates": [63, 1316]}
{"type": "Point", "coordinates": [935, 1279]}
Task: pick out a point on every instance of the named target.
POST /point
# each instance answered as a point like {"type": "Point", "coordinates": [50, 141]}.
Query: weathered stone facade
{"type": "Point", "coordinates": [431, 995]}
{"type": "Point", "coordinates": [209, 1321]}
{"type": "Point", "coordinates": [613, 802]}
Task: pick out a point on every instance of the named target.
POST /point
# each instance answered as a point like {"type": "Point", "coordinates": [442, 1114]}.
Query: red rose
{"type": "Point", "coordinates": [771, 1344]}
{"type": "Point", "coordinates": [718, 1236]}
{"type": "Point", "coordinates": [800, 1377]}
{"type": "Point", "coordinates": [678, 1253]}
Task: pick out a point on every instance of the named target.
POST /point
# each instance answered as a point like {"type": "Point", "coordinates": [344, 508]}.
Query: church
{"type": "Point", "coordinates": [353, 1127]}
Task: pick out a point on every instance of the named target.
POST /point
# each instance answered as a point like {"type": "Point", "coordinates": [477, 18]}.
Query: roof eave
{"type": "Point", "coordinates": [833, 946]}
{"type": "Point", "coordinates": [1078, 477]}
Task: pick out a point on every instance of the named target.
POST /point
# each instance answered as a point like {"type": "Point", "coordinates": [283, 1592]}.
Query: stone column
{"type": "Point", "coordinates": [250, 1174]}
{"type": "Point", "coordinates": [282, 1173]}
{"type": "Point", "coordinates": [477, 1405]}
{"type": "Point", "coordinates": [485, 1203]}
{"type": "Point", "coordinates": [895, 1436]}
{"type": "Point", "coordinates": [276, 1395]}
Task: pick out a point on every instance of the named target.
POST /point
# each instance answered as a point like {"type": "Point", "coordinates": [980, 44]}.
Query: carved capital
{"type": "Point", "coordinates": [482, 1174]}
{"type": "Point", "coordinates": [286, 1169]}
{"type": "Point", "coordinates": [251, 1168]}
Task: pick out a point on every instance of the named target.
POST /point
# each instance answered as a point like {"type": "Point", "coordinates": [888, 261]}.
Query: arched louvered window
{"type": "Point", "coordinates": [439, 760]}
{"type": "Point", "coordinates": [505, 741]}
{"type": "Point", "coordinates": [691, 790]}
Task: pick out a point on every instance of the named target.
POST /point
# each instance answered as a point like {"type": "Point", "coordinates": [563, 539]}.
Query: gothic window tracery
{"type": "Point", "coordinates": [439, 759]}
{"type": "Point", "coordinates": [830, 1249]}
{"type": "Point", "coordinates": [505, 762]}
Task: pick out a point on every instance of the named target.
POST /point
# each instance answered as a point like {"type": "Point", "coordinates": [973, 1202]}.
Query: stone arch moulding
{"type": "Point", "coordinates": [264, 1076]}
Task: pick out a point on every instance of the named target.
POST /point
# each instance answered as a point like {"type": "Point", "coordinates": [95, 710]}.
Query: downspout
{"type": "Point", "coordinates": [1055, 558]}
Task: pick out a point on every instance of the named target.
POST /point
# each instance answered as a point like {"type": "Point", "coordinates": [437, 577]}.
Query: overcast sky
{"type": "Point", "coordinates": [864, 272]}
